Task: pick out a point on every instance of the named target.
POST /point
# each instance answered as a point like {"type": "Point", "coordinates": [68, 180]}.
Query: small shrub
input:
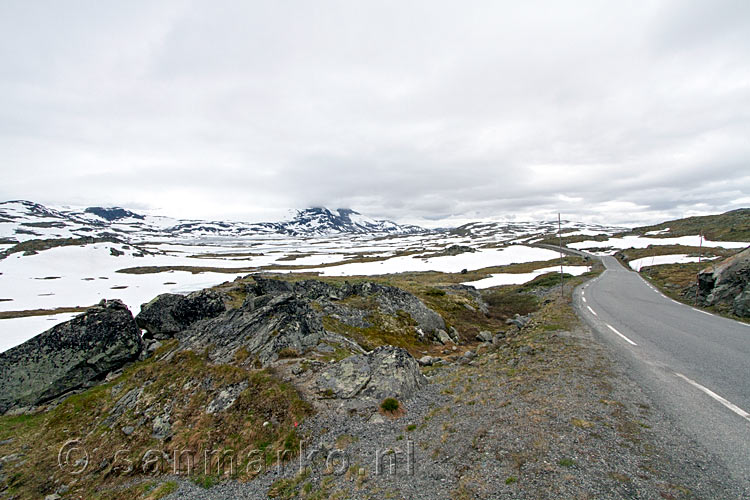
{"type": "Point", "coordinates": [435, 292]}
{"type": "Point", "coordinates": [511, 480]}
{"type": "Point", "coordinates": [566, 462]}
{"type": "Point", "coordinates": [390, 405]}
{"type": "Point", "coordinates": [411, 427]}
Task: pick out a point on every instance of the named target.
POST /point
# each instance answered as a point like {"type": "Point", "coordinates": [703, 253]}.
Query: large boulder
{"type": "Point", "coordinates": [387, 371]}
{"type": "Point", "coordinates": [170, 313]}
{"type": "Point", "coordinates": [727, 284]}
{"type": "Point", "coordinates": [264, 326]}
{"type": "Point", "coordinates": [69, 356]}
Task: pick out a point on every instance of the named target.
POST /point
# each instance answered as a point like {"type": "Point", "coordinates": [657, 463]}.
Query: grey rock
{"type": "Point", "coordinates": [518, 320]}
{"type": "Point", "coordinates": [391, 300]}
{"type": "Point", "coordinates": [69, 356]}
{"type": "Point", "coordinates": [387, 371]}
{"type": "Point", "coordinates": [156, 316]}
{"type": "Point", "coordinates": [443, 337]}
{"type": "Point", "coordinates": [426, 361]}
{"type": "Point", "coordinates": [741, 304]}
{"type": "Point", "coordinates": [498, 338]}
{"type": "Point", "coordinates": [453, 333]}
{"type": "Point", "coordinates": [727, 284]}
{"type": "Point", "coordinates": [162, 429]}
{"type": "Point", "coordinates": [54, 496]}
{"type": "Point", "coordinates": [153, 346]}
{"type": "Point", "coordinates": [458, 249]}
{"type": "Point", "coordinates": [484, 336]}
{"type": "Point", "coordinates": [475, 294]}
{"type": "Point", "coordinates": [226, 398]}
{"type": "Point", "coordinates": [285, 321]}
{"type": "Point", "coordinates": [125, 403]}
{"type": "Point", "coordinates": [128, 430]}
{"type": "Point", "coordinates": [170, 313]}
{"type": "Point", "coordinates": [279, 315]}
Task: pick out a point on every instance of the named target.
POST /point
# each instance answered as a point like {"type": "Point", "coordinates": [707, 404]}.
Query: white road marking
{"type": "Point", "coordinates": [592, 311]}
{"type": "Point", "coordinates": [621, 335]}
{"type": "Point", "coordinates": [583, 298]}
{"type": "Point", "coordinates": [739, 411]}
{"type": "Point", "coordinates": [698, 310]}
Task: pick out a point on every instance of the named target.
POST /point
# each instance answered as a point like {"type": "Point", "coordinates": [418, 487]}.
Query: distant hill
{"type": "Point", "coordinates": [729, 226]}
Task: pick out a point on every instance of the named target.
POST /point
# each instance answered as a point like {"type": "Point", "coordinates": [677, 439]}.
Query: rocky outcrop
{"type": "Point", "coordinates": [170, 313]}
{"type": "Point", "coordinates": [280, 318]}
{"type": "Point", "coordinates": [727, 284]}
{"type": "Point", "coordinates": [263, 326]}
{"type": "Point", "coordinates": [459, 249]}
{"type": "Point", "coordinates": [390, 300]}
{"type": "Point", "coordinates": [387, 371]}
{"type": "Point", "coordinates": [69, 356]}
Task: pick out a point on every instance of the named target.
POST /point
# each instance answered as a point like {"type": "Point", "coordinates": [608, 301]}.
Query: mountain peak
{"type": "Point", "coordinates": [113, 213]}
{"type": "Point", "coordinates": [322, 220]}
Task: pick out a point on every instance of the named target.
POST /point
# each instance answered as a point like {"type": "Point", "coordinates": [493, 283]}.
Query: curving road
{"type": "Point", "coordinates": [694, 364]}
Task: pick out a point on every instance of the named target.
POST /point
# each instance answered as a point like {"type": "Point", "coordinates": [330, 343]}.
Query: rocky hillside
{"type": "Point", "coordinates": [729, 226]}
{"type": "Point", "coordinates": [237, 366]}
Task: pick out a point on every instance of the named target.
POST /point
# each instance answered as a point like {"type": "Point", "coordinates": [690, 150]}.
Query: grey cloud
{"type": "Point", "coordinates": [419, 111]}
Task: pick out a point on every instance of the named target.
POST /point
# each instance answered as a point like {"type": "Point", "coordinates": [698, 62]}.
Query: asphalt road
{"type": "Point", "coordinates": [695, 365]}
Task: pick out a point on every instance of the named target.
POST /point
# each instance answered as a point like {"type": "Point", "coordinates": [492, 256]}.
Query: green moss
{"type": "Point", "coordinates": [384, 330]}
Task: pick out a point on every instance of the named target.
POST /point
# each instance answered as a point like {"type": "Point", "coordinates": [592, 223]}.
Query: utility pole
{"type": "Point", "coordinates": [700, 255]}
{"type": "Point", "coordinates": [559, 234]}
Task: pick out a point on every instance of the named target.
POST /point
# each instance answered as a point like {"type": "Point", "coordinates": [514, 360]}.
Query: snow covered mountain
{"type": "Point", "coordinates": [25, 220]}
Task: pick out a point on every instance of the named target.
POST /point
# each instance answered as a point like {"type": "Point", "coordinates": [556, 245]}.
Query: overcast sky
{"type": "Point", "coordinates": [431, 112]}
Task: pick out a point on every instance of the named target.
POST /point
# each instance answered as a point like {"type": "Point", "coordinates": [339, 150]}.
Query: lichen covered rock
{"type": "Point", "coordinates": [69, 356]}
{"type": "Point", "coordinates": [387, 371]}
{"type": "Point", "coordinates": [727, 284]}
{"type": "Point", "coordinates": [170, 313]}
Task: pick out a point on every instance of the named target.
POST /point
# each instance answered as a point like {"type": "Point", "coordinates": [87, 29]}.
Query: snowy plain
{"type": "Point", "coordinates": [643, 242]}
{"type": "Point", "coordinates": [448, 264]}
